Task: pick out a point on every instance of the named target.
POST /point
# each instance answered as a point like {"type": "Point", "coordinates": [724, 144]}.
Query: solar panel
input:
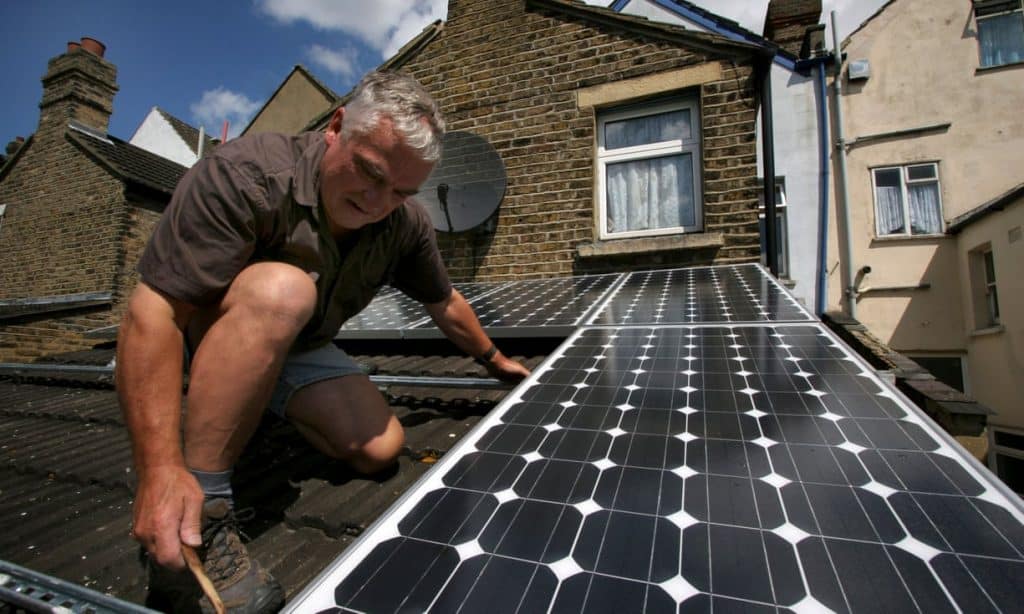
{"type": "Point", "coordinates": [735, 293]}
{"type": "Point", "coordinates": [674, 468]}
{"type": "Point", "coordinates": [391, 312]}
{"type": "Point", "coordinates": [535, 307]}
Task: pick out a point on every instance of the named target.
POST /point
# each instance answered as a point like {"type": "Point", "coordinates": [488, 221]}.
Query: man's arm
{"type": "Point", "coordinates": [168, 500]}
{"type": "Point", "coordinates": [458, 322]}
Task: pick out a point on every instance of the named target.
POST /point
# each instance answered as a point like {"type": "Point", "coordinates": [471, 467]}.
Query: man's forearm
{"type": "Point", "coordinates": [458, 322]}
{"type": "Point", "coordinates": [149, 382]}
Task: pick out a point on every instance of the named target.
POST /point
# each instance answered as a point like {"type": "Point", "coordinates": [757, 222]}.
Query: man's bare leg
{"type": "Point", "coordinates": [243, 342]}
{"type": "Point", "coordinates": [348, 418]}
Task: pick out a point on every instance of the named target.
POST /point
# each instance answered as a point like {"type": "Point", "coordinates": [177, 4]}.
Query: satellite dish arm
{"type": "Point", "coordinates": [442, 195]}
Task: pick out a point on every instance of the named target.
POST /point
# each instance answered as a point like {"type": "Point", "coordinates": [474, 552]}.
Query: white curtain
{"type": "Point", "coordinates": [925, 214]}
{"type": "Point", "coordinates": [889, 208]}
{"type": "Point", "coordinates": [1001, 39]}
{"type": "Point", "coordinates": [651, 194]}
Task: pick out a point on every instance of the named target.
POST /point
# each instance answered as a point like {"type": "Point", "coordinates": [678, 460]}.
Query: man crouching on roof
{"type": "Point", "coordinates": [268, 245]}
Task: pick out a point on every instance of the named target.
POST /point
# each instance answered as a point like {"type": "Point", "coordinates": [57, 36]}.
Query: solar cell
{"type": "Point", "coordinates": [540, 307]}
{"type": "Point", "coordinates": [734, 293]}
{"type": "Point", "coordinates": [676, 468]}
{"type": "Point", "coordinates": [391, 312]}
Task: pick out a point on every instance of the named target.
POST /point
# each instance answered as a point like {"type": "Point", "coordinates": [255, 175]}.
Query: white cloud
{"type": "Point", "coordinates": [221, 104]}
{"type": "Point", "coordinates": [384, 25]}
{"type": "Point", "coordinates": [341, 63]}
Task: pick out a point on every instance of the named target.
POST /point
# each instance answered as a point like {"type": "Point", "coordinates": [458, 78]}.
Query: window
{"type": "Point", "coordinates": [649, 169]}
{"type": "Point", "coordinates": [905, 193]}
{"type": "Point", "coordinates": [988, 267]}
{"type": "Point", "coordinates": [781, 238]}
{"type": "Point", "coordinates": [947, 369]}
{"type": "Point", "coordinates": [982, 267]}
{"type": "Point", "coordinates": [1006, 458]}
{"type": "Point", "coordinates": [3, 210]}
{"type": "Point", "coordinates": [1000, 31]}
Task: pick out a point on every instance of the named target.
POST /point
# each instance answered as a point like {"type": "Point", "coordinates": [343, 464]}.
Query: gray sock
{"type": "Point", "coordinates": [215, 484]}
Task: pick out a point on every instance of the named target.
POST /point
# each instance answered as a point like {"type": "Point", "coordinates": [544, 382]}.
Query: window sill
{"type": "Point", "coordinates": [651, 245]}
{"type": "Point", "coordinates": [987, 69]}
{"type": "Point", "coordinates": [910, 239]}
{"type": "Point", "coordinates": [991, 330]}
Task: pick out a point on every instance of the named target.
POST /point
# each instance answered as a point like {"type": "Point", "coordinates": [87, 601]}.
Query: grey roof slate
{"type": "Point", "coordinates": [126, 161]}
{"type": "Point", "coordinates": [188, 133]}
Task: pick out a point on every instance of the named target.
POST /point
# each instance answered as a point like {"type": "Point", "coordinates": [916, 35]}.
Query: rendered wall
{"type": "Point", "coordinates": [924, 62]}
{"type": "Point", "coordinates": [995, 357]}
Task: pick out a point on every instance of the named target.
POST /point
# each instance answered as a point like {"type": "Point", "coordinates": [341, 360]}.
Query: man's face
{"type": "Point", "coordinates": [365, 177]}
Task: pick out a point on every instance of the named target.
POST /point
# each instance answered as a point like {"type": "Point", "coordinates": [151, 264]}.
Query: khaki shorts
{"type": "Point", "coordinates": [305, 368]}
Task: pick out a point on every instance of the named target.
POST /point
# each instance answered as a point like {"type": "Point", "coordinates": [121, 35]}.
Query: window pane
{"type": "Point", "coordinates": [923, 171]}
{"type": "Point", "coordinates": [990, 268]}
{"type": "Point", "coordinates": [1011, 471]}
{"type": "Point", "coordinates": [1009, 440]}
{"type": "Point", "coordinates": [671, 126]}
{"type": "Point", "coordinates": [889, 201]}
{"type": "Point", "coordinates": [1001, 39]}
{"type": "Point", "coordinates": [651, 194]}
{"type": "Point", "coordinates": [947, 369]}
{"type": "Point", "coordinates": [925, 215]}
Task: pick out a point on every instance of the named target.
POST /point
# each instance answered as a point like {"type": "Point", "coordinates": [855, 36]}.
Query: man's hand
{"type": "Point", "coordinates": [506, 369]}
{"type": "Point", "coordinates": [167, 513]}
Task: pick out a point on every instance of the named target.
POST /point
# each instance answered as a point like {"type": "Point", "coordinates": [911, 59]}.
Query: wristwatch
{"type": "Point", "coordinates": [485, 358]}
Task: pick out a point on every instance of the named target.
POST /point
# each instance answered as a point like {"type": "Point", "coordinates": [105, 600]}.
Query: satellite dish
{"type": "Point", "coordinates": [466, 186]}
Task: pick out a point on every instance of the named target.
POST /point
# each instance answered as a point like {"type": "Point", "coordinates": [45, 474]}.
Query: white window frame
{"type": "Point", "coordinates": [691, 146]}
{"type": "Point", "coordinates": [781, 213]}
{"type": "Point", "coordinates": [1009, 9]}
{"type": "Point", "coordinates": [905, 198]}
{"type": "Point", "coordinates": [995, 450]}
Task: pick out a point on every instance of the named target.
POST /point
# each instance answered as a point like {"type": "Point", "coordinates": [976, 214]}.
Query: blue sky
{"type": "Point", "coordinates": [205, 61]}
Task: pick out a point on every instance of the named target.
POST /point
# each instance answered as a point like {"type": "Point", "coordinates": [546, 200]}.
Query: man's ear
{"type": "Point", "coordinates": [334, 125]}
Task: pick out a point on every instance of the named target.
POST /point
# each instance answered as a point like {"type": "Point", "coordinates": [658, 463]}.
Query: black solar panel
{"type": "Point", "coordinates": [391, 312]}
{"type": "Point", "coordinates": [539, 307]}
{"type": "Point", "coordinates": [738, 293]}
{"type": "Point", "coordinates": [694, 468]}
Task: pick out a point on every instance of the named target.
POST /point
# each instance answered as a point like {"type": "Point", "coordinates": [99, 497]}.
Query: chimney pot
{"type": "Point", "coordinates": [73, 45]}
{"type": "Point", "coordinates": [93, 46]}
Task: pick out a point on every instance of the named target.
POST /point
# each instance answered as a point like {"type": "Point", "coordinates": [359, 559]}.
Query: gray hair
{"type": "Point", "coordinates": [414, 113]}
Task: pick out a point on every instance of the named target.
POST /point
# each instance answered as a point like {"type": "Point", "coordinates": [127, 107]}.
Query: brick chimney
{"type": "Point", "coordinates": [79, 85]}
{"type": "Point", "coordinates": [787, 22]}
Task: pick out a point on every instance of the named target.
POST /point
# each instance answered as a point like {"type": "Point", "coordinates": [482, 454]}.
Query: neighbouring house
{"type": "Point", "coordinates": [299, 97]}
{"type": "Point", "coordinates": [77, 207]}
{"type": "Point", "coordinates": [989, 251]}
{"type": "Point", "coordinates": [799, 121]}
{"type": "Point", "coordinates": [171, 138]}
{"type": "Point", "coordinates": [933, 139]}
{"type": "Point", "coordinates": [585, 106]}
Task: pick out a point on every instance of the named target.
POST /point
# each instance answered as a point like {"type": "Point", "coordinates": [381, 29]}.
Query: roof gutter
{"type": "Point", "coordinates": [20, 307]}
{"type": "Point", "coordinates": [107, 371]}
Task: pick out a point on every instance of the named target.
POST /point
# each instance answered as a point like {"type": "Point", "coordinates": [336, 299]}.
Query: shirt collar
{"type": "Point", "coordinates": [306, 191]}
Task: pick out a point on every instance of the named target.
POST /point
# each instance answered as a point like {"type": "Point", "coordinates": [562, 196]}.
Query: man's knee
{"type": "Point", "coordinates": [377, 454]}
{"type": "Point", "coordinates": [280, 293]}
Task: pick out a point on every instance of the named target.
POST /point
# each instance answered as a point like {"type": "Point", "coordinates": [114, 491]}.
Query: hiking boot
{"type": "Point", "coordinates": [243, 585]}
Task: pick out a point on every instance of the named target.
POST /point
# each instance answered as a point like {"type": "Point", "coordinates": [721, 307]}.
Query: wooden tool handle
{"type": "Point", "coordinates": [196, 566]}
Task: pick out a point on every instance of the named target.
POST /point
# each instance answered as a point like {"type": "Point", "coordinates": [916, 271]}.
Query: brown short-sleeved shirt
{"type": "Point", "coordinates": [257, 199]}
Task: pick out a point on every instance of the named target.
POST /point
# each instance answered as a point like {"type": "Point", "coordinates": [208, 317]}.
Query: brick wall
{"type": "Point", "coordinates": [65, 214]}
{"type": "Point", "coordinates": [512, 75]}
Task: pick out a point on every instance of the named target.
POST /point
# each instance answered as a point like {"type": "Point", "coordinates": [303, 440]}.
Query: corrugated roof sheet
{"type": "Point", "coordinates": [66, 480]}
